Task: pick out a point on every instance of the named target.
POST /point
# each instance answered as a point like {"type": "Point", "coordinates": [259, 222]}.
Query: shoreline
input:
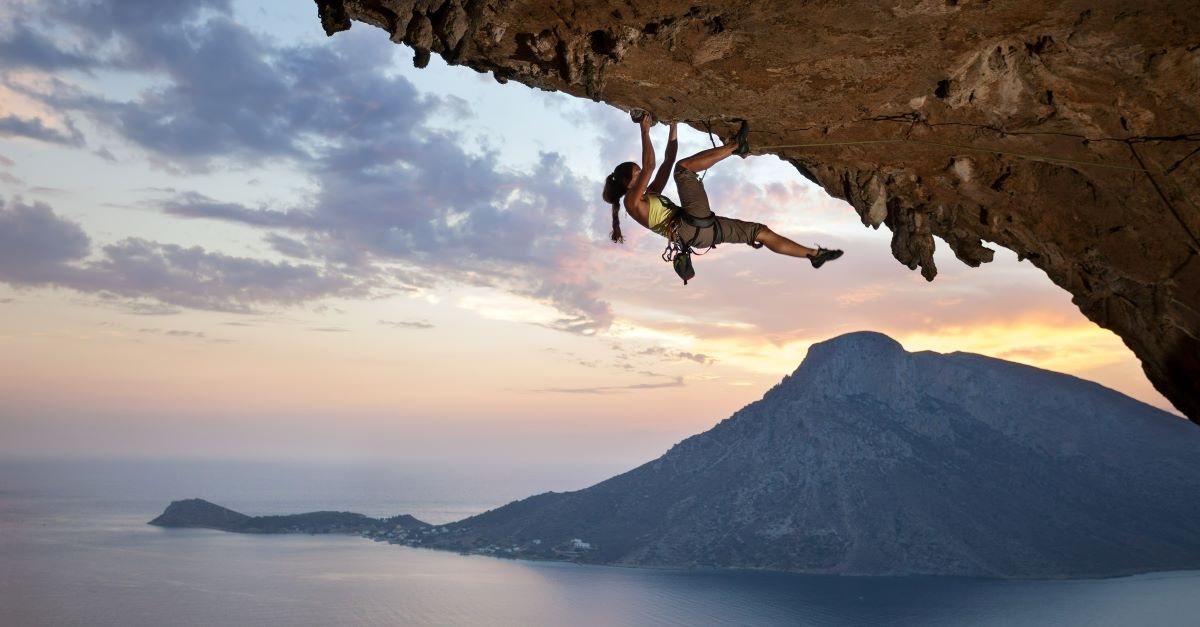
{"type": "Point", "coordinates": [406, 531]}
{"type": "Point", "coordinates": [804, 573]}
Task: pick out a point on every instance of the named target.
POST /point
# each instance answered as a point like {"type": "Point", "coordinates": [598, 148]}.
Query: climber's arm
{"type": "Point", "coordinates": [639, 186]}
{"type": "Point", "coordinates": [664, 171]}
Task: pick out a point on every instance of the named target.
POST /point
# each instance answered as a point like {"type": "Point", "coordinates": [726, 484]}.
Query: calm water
{"type": "Point", "coordinates": [75, 550]}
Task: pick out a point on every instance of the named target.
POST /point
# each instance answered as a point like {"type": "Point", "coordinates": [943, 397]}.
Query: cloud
{"type": "Point", "coordinates": [406, 324]}
{"type": "Point", "coordinates": [35, 128]}
{"type": "Point", "coordinates": [174, 332]}
{"type": "Point", "coordinates": [1033, 353]}
{"type": "Point", "coordinates": [455, 215]}
{"type": "Point", "coordinates": [196, 205]}
{"type": "Point", "coordinates": [391, 189]}
{"type": "Point", "coordinates": [429, 203]}
{"type": "Point", "coordinates": [677, 355]}
{"type": "Point", "coordinates": [195, 278]}
{"type": "Point", "coordinates": [675, 382]}
{"type": "Point", "coordinates": [38, 248]}
{"type": "Point", "coordinates": [288, 246]}
{"type": "Point", "coordinates": [26, 48]}
{"type": "Point", "coordinates": [618, 137]}
{"type": "Point", "coordinates": [224, 99]}
{"type": "Point", "coordinates": [126, 34]}
{"type": "Point", "coordinates": [8, 177]}
{"type": "Point", "coordinates": [181, 333]}
{"type": "Point", "coordinates": [222, 95]}
{"type": "Point", "coordinates": [144, 308]}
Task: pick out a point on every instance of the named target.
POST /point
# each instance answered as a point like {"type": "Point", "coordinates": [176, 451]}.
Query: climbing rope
{"type": "Point", "coordinates": [1021, 155]}
{"type": "Point", "coordinates": [708, 127]}
{"type": "Point", "coordinates": [1033, 157]}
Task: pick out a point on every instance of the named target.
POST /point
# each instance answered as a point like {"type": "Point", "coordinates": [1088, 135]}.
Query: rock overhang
{"type": "Point", "coordinates": [1067, 133]}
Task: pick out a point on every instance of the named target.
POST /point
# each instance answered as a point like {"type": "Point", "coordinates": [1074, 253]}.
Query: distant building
{"type": "Point", "coordinates": [576, 543]}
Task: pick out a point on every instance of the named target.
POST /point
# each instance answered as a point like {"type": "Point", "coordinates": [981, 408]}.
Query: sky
{"type": "Point", "coordinates": [225, 235]}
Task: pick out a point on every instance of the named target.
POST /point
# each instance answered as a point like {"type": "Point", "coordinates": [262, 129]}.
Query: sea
{"type": "Point", "coordinates": [75, 549]}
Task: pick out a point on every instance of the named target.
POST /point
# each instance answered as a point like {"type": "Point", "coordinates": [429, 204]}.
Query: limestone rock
{"type": "Point", "coordinates": [1068, 132]}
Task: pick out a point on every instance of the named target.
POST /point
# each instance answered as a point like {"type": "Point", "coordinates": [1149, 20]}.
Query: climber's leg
{"type": "Point", "coordinates": [706, 159]}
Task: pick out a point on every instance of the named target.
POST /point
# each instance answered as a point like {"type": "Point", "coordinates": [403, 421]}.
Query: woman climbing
{"type": "Point", "coordinates": [692, 223]}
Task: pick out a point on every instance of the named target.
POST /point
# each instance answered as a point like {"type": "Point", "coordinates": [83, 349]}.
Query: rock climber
{"type": "Point", "coordinates": [692, 221]}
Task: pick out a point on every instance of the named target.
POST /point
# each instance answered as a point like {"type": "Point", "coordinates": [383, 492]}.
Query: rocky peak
{"type": "Point", "coordinates": [863, 362]}
{"type": "Point", "coordinates": [1064, 131]}
{"type": "Point", "coordinates": [198, 513]}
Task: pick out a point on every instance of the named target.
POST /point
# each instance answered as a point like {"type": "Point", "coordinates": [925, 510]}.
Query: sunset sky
{"type": "Point", "coordinates": [223, 234]}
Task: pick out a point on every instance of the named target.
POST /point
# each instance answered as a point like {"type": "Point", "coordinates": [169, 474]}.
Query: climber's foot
{"type": "Point", "coordinates": [743, 140]}
{"type": "Point", "coordinates": [822, 255]}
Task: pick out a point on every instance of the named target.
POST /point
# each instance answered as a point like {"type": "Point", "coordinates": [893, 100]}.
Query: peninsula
{"type": "Point", "coordinates": [199, 513]}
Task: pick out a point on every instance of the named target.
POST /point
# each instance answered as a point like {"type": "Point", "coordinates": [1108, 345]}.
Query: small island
{"type": "Point", "coordinates": [199, 513]}
{"type": "Point", "coordinates": [404, 530]}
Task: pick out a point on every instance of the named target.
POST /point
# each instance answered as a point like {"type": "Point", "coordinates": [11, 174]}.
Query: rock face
{"type": "Point", "coordinates": [1068, 132]}
{"type": "Point", "coordinates": [869, 460]}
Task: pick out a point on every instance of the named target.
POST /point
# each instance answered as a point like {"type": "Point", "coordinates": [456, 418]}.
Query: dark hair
{"type": "Point", "coordinates": [615, 187]}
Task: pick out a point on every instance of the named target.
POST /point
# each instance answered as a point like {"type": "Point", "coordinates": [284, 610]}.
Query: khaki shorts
{"type": "Point", "coordinates": [694, 200]}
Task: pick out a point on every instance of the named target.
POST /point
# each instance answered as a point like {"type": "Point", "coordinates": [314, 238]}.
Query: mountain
{"type": "Point", "coordinates": [869, 460]}
{"type": "Point", "coordinates": [203, 514]}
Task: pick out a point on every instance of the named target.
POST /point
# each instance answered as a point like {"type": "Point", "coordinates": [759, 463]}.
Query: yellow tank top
{"type": "Point", "coordinates": [660, 215]}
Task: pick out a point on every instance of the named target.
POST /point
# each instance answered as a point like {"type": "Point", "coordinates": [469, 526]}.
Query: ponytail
{"type": "Point", "coordinates": [615, 187]}
{"type": "Point", "coordinates": [616, 230]}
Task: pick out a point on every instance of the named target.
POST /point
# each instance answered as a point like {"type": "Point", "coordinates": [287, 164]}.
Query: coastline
{"type": "Point", "coordinates": [1130, 573]}
{"type": "Point", "coordinates": [405, 530]}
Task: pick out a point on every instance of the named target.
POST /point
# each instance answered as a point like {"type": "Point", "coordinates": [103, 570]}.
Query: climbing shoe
{"type": "Point", "coordinates": [823, 255]}
{"type": "Point", "coordinates": [743, 140]}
